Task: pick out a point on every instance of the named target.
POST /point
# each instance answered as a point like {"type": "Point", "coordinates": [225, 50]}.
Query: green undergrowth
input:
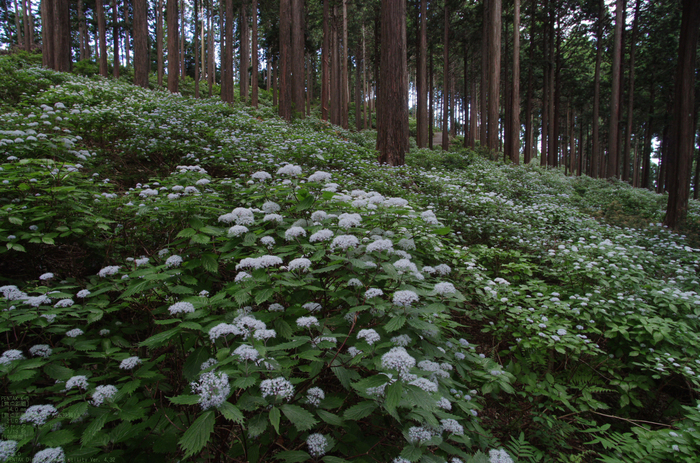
{"type": "Point", "coordinates": [183, 280]}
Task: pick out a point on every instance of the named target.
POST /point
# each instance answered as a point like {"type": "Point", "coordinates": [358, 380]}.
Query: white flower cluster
{"type": "Point", "coordinates": [429, 218]}
{"type": "Point", "coordinates": [344, 242]}
{"type": "Point", "coordinates": [307, 322]}
{"type": "Point", "coordinates": [319, 216]}
{"type": "Point", "coordinates": [321, 235]}
{"type": "Point", "coordinates": [289, 169]}
{"type": "Point", "coordinates": [369, 335]}
{"type": "Point", "coordinates": [294, 232]}
{"type": "Point", "coordinates": [401, 340]}
{"type": "Point", "coordinates": [237, 230]}
{"type": "Point", "coordinates": [141, 261]}
{"type": "Point", "coordinates": [259, 262]}
{"type": "Point", "coordinates": [261, 176]}
{"type": "Point", "coordinates": [380, 245]}
{"type": "Point", "coordinates": [240, 215]}
{"type": "Point", "coordinates": [213, 389]}
{"type": "Point", "coordinates": [46, 276]}
{"type": "Point", "coordinates": [130, 363]}
{"type": "Point", "coordinates": [173, 261]}
{"type": "Point", "coordinates": [445, 288]}
{"type": "Point", "coordinates": [317, 444]}
{"type": "Point", "coordinates": [405, 298]}
{"type": "Point", "coordinates": [348, 220]}
{"type": "Point", "coordinates": [40, 350]}
{"type": "Point", "coordinates": [83, 293]}
{"type": "Point", "coordinates": [398, 359]}
{"type": "Point", "coordinates": [279, 387]}
{"type": "Point", "coordinates": [80, 382]}
{"type": "Point", "coordinates": [8, 448]}
{"type": "Point", "coordinates": [74, 333]}
{"type": "Point", "coordinates": [312, 306]}
{"type": "Point", "coordinates": [314, 396]}
{"type": "Point", "coordinates": [108, 271]}
{"type": "Point", "coordinates": [452, 426]}
{"type": "Point", "coordinates": [181, 307]}
{"type": "Point", "coordinates": [50, 455]}
{"type": "Point", "coordinates": [103, 393]}
{"type": "Point", "coordinates": [373, 292]}
{"type": "Point", "coordinates": [425, 384]}
{"type": "Point", "coordinates": [36, 301]}
{"type": "Point", "coordinates": [301, 263]}
{"type": "Point", "coordinates": [276, 307]}
{"type": "Point", "coordinates": [36, 415]}
{"type": "Point", "coordinates": [246, 352]}
{"type": "Point", "coordinates": [418, 434]}
{"type": "Point", "coordinates": [208, 363]}
{"type": "Point", "coordinates": [499, 456]}
{"type": "Point", "coordinates": [319, 176]}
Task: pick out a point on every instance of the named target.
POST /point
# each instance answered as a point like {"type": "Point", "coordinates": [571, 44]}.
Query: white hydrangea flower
{"type": "Point", "coordinates": [104, 332]}
{"type": "Point", "coordinates": [380, 245]}
{"type": "Point", "coordinates": [321, 235]}
{"type": "Point", "coordinates": [102, 394]}
{"type": "Point", "coordinates": [314, 396]}
{"type": "Point", "coordinates": [307, 322]}
{"type": "Point", "coordinates": [213, 389]}
{"type": "Point", "coordinates": [319, 216]}
{"type": "Point", "coordinates": [50, 455]}
{"type": "Point", "coordinates": [294, 232]}
{"type": "Point", "coordinates": [271, 207]}
{"type": "Point", "coordinates": [401, 340]}
{"type": "Point", "coordinates": [289, 169]}
{"type": "Point", "coordinates": [452, 426]}
{"type": "Point", "coordinates": [319, 176]}
{"type": "Point", "coordinates": [259, 262]}
{"type": "Point", "coordinates": [74, 333]}
{"type": "Point", "coordinates": [443, 269]}
{"type": "Point", "coordinates": [354, 282]}
{"type": "Point", "coordinates": [312, 306]}
{"type": "Point", "coordinates": [445, 288]}
{"type": "Point", "coordinates": [369, 335]}
{"type": "Point", "coordinates": [318, 445]}
{"type": "Point", "coordinates": [373, 292]}
{"type": "Point", "coordinates": [246, 352]}
{"type": "Point", "coordinates": [80, 382]}
{"type": "Point", "coordinates": [301, 263]}
{"type": "Point", "coordinates": [277, 387]}
{"type": "Point", "coordinates": [208, 363]}
{"type": "Point", "coordinates": [344, 242]}
{"type": "Point", "coordinates": [276, 307]}
{"type": "Point", "coordinates": [223, 329]}
{"type": "Point", "coordinates": [241, 276]}
{"type": "Point", "coordinates": [353, 351]}
{"type": "Point", "coordinates": [425, 384]}
{"type": "Point", "coordinates": [273, 218]}
{"type": "Point", "coordinates": [237, 230]}
{"type": "Point", "coordinates": [8, 448]}
{"type": "Point", "coordinates": [108, 271]}
{"type": "Point", "coordinates": [261, 176]}
{"type": "Point", "coordinates": [173, 261]}
{"type": "Point", "coordinates": [407, 244]}
{"type": "Point", "coordinates": [418, 434]}
{"type": "Point", "coordinates": [405, 265]}
{"type": "Point", "coordinates": [130, 363]}
{"type": "Point", "coordinates": [405, 298]}
{"type": "Point", "coordinates": [36, 301]}
{"type": "Point", "coordinates": [263, 335]}
{"type": "Point", "coordinates": [398, 359]}
{"type": "Point", "coordinates": [499, 456]}
{"type": "Point", "coordinates": [181, 307]}
{"type": "Point", "coordinates": [40, 350]}
{"type": "Point", "coordinates": [444, 404]}
{"type": "Point", "coordinates": [348, 220]}
{"type": "Point", "coordinates": [46, 276]}
{"type": "Point", "coordinates": [36, 415]}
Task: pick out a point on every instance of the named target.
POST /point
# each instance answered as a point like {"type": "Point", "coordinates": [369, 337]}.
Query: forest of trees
{"type": "Point", "coordinates": [596, 88]}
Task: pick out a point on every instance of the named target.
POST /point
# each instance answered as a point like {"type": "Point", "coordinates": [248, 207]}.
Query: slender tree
{"type": "Point", "coordinates": [245, 51]}
{"type": "Point", "coordinates": [102, 32]}
{"type": "Point", "coordinates": [446, 80]}
{"type": "Point", "coordinates": [159, 40]}
{"type": "Point", "coordinates": [421, 79]}
{"type": "Point", "coordinates": [515, 108]}
{"type": "Point", "coordinates": [47, 40]}
{"type": "Point", "coordinates": [254, 49]}
{"type": "Point", "coordinates": [115, 39]}
{"type": "Point", "coordinates": [596, 93]}
{"type": "Point", "coordinates": [285, 96]}
{"type": "Point", "coordinates": [296, 65]}
{"type": "Point", "coordinates": [682, 139]}
{"type": "Point", "coordinates": [392, 135]}
{"type": "Point", "coordinates": [613, 132]}
{"type": "Point", "coordinates": [630, 102]}
{"type": "Point", "coordinates": [142, 63]}
{"type": "Point", "coordinates": [494, 60]}
{"type": "Point", "coordinates": [196, 48]}
{"type": "Point", "coordinates": [325, 75]}
{"type": "Point", "coordinates": [173, 58]}
{"type": "Point", "coordinates": [483, 92]}
{"type": "Point", "coordinates": [227, 54]}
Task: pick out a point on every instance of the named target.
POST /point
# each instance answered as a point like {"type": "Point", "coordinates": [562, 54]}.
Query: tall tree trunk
{"type": "Point", "coordinates": [473, 111]}
{"type": "Point", "coordinates": [446, 80]}
{"type": "Point", "coordinates": [275, 86]}
{"type": "Point", "coordinates": [211, 75]}
{"type": "Point", "coordinates": [309, 85]}
{"type": "Point", "coordinates": [243, 85]}
{"type": "Point", "coordinates": [61, 33]}
{"type": "Point", "coordinates": [47, 43]}
{"type": "Point", "coordinates": [392, 138]}
{"type": "Point", "coordinates": [325, 52]}
{"type": "Point", "coordinates": [285, 96]}
{"type": "Point", "coordinates": [613, 135]}
{"type": "Point", "coordinates": [25, 20]}
{"type": "Point", "coordinates": [358, 94]}
{"type": "Point", "coordinates": [159, 41]}
{"type": "Point", "coordinates": [494, 72]}
{"type": "Point", "coordinates": [646, 160]}
{"type": "Point", "coordinates": [173, 58]}
{"type": "Point", "coordinates": [421, 79]}
{"type": "Point", "coordinates": [297, 57]}
{"type": "Point", "coordinates": [595, 154]}
{"type": "Point", "coordinates": [183, 37]}
{"type": "Point", "coordinates": [465, 99]}
{"type": "Point", "coordinates": [546, 83]}
{"type": "Point", "coordinates": [485, 73]}
{"type": "Point", "coordinates": [142, 63]}
{"type": "Point", "coordinates": [365, 84]}
{"type": "Point", "coordinates": [683, 128]}
{"type": "Point", "coordinates": [227, 54]}
{"type": "Point", "coordinates": [515, 109]}
{"type": "Point", "coordinates": [20, 39]}
{"type": "Point", "coordinates": [344, 60]}
{"type": "Point", "coordinates": [115, 39]}
{"type": "Point", "coordinates": [335, 95]}
{"type": "Point", "coordinates": [268, 74]}
{"type": "Point", "coordinates": [82, 39]}
{"type": "Point", "coordinates": [555, 90]}
{"type": "Point", "coordinates": [431, 112]}
{"type": "Point", "coordinates": [196, 48]}
{"type": "Point", "coordinates": [102, 32]}
{"type": "Point", "coordinates": [126, 32]}
{"type": "Point", "coordinates": [528, 104]}
{"type": "Point", "coordinates": [204, 73]}
{"type": "Point", "coordinates": [630, 103]}
{"type": "Point", "coordinates": [254, 55]}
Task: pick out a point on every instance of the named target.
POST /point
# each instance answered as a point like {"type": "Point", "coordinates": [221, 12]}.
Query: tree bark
{"type": "Point", "coordinates": [25, 19]}
{"type": "Point", "coordinates": [431, 112]}
{"type": "Point", "coordinates": [344, 60]}
{"type": "Point", "coordinates": [630, 102]}
{"type": "Point", "coordinates": [392, 138]}
{"type": "Point", "coordinates": [196, 49]}
{"type": "Point", "coordinates": [421, 79]}
{"type": "Point", "coordinates": [211, 74]}
{"type": "Point", "coordinates": [285, 96]}
{"type": "Point", "coordinates": [275, 86]}
{"type": "Point", "coordinates": [613, 135]}
{"type": "Point", "coordinates": [254, 55]}
{"type": "Point", "coordinates": [494, 72]}
{"type": "Point", "coordinates": [47, 42]}
{"type": "Point", "coordinates": [358, 94]}
{"type": "Point", "coordinates": [102, 32]}
{"type": "Point", "coordinates": [473, 103]}
{"type": "Point", "coordinates": [335, 94]}
{"type": "Point", "coordinates": [484, 73]}
{"type": "Point", "coordinates": [227, 54]}
{"type": "Point", "coordinates": [297, 57]}
{"type": "Point", "coordinates": [243, 84]}
{"type": "Point", "coordinates": [183, 67]}
{"type": "Point", "coordinates": [115, 39]}
{"type": "Point", "coordinates": [159, 40]}
{"type": "Point", "coordinates": [682, 140]}
{"type": "Point", "coordinates": [20, 40]}
{"type": "Point", "coordinates": [446, 80]}
{"type": "Point", "coordinates": [595, 152]}
{"type": "Point", "coordinates": [544, 151]}
{"type": "Point", "coordinates": [61, 34]}
{"type": "Point", "coordinates": [325, 52]}
{"type": "Point", "coordinates": [515, 109]}
{"type": "Point", "coordinates": [82, 36]}
{"type": "Point", "coordinates": [173, 58]}
{"type": "Point", "coordinates": [141, 58]}
{"type": "Point", "coordinates": [126, 32]}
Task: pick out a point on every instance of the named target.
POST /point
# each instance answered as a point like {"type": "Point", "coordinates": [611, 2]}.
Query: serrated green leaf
{"type": "Point", "coordinates": [231, 412]}
{"type": "Point", "coordinates": [244, 382]}
{"type": "Point", "coordinates": [58, 438]}
{"type": "Point", "coordinates": [300, 418]}
{"type": "Point", "coordinates": [213, 231]}
{"type": "Point", "coordinates": [191, 325]}
{"type": "Point", "coordinates": [93, 428]}
{"type": "Point", "coordinates": [361, 410]}
{"type": "Point", "coordinates": [257, 424]}
{"type": "Point", "coordinates": [342, 375]}
{"type": "Point", "coordinates": [180, 289]}
{"type": "Point", "coordinates": [393, 395]}
{"type": "Point", "coordinates": [293, 456]}
{"type": "Point", "coordinates": [332, 459]}
{"type": "Point", "coordinates": [185, 399]}
{"type": "Point", "coordinates": [443, 231]}
{"type": "Point", "coordinates": [330, 418]}
{"type": "Point", "coordinates": [47, 240]}
{"type": "Point", "coordinates": [263, 295]}
{"type": "Point", "coordinates": [395, 323]}
{"type": "Point", "coordinates": [186, 233]}
{"type": "Point", "coordinates": [200, 238]}
{"type": "Point", "coordinates": [160, 338]}
{"type": "Point", "coordinates": [95, 316]}
{"type": "Point", "coordinates": [210, 263]}
{"type": "Point", "coordinates": [193, 364]}
{"type": "Point", "coordinates": [58, 372]}
{"type": "Point", "coordinates": [197, 435]}
{"type": "Point", "coordinates": [306, 203]}
{"type": "Point", "coordinates": [275, 418]}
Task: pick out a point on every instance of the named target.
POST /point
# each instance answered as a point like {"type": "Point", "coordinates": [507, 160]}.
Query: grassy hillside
{"type": "Point", "coordinates": [183, 280]}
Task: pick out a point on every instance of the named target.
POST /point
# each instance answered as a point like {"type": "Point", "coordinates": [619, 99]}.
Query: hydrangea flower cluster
{"type": "Point", "coordinates": [213, 389]}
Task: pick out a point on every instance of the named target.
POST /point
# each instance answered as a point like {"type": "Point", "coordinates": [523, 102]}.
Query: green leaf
{"type": "Point", "coordinates": [342, 375]}
{"type": "Point", "coordinates": [160, 338]}
{"type": "Point", "coordinates": [275, 418]}
{"type": "Point", "coordinates": [263, 295]}
{"type": "Point", "coordinates": [393, 395]}
{"type": "Point", "coordinates": [300, 418]}
{"type": "Point", "coordinates": [330, 418]}
{"type": "Point", "coordinates": [361, 410]}
{"type": "Point", "coordinates": [58, 372]}
{"type": "Point", "coordinates": [197, 435]}
{"type": "Point", "coordinates": [180, 289]}
{"type": "Point", "coordinates": [395, 323]}
{"type": "Point", "coordinates": [293, 456]}
{"type": "Point", "coordinates": [193, 364]}
{"type": "Point", "coordinates": [15, 220]}
{"type": "Point", "coordinates": [47, 240]}
{"type": "Point", "coordinates": [58, 438]}
{"type": "Point", "coordinates": [231, 412]}
{"type": "Point", "coordinates": [200, 238]}
{"type": "Point", "coordinates": [185, 399]}
{"type": "Point", "coordinates": [306, 203]}
{"type": "Point", "coordinates": [411, 453]}
{"type": "Point", "coordinates": [93, 428]}
{"type": "Point", "coordinates": [443, 231]}
{"type": "Point", "coordinates": [244, 382]}
{"type": "Point", "coordinates": [186, 233]}
{"type": "Point", "coordinates": [332, 459]}
{"type": "Point", "coordinates": [210, 263]}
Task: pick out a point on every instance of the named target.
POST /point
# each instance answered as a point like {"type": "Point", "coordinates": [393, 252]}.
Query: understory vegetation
{"type": "Point", "coordinates": [182, 280]}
